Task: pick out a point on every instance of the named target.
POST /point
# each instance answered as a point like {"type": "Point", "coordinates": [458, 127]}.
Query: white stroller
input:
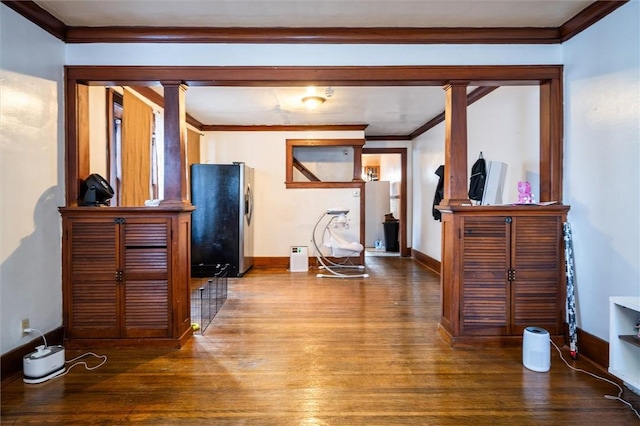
{"type": "Point", "coordinates": [340, 248]}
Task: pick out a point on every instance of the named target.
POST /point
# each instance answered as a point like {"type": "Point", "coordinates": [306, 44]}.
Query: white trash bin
{"type": "Point", "coordinates": [536, 349]}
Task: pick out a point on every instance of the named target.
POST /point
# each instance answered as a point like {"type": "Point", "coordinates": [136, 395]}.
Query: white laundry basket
{"type": "Point", "coordinates": [536, 349]}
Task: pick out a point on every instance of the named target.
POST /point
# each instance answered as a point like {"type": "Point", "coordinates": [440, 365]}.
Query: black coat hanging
{"type": "Point", "coordinates": [477, 179]}
{"type": "Point", "coordinates": [439, 195]}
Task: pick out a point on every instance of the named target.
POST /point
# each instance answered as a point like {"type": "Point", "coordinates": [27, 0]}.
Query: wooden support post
{"type": "Point", "coordinates": [175, 172]}
{"type": "Point", "coordinates": [551, 140]}
{"type": "Point", "coordinates": [455, 153]}
{"type": "Point", "coordinates": [357, 163]}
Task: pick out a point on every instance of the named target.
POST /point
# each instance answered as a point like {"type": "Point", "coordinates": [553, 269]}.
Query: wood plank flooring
{"type": "Point", "coordinates": [293, 349]}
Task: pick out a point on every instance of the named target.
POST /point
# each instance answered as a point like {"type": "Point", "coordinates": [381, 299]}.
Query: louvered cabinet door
{"type": "Point", "coordinates": [537, 278]}
{"type": "Point", "coordinates": [91, 284]}
{"type": "Point", "coordinates": [145, 277]}
{"type": "Point", "coordinates": [485, 296]}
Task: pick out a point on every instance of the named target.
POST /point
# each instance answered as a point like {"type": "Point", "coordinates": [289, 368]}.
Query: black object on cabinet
{"type": "Point", "coordinates": [222, 224]}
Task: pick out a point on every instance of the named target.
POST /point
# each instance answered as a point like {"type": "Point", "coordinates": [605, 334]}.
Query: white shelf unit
{"type": "Point", "coordinates": [624, 348]}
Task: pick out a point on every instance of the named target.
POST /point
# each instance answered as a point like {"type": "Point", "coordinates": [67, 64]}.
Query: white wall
{"type": "Point", "coordinates": [305, 55]}
{"type": "Point", "coordinates": [504, 126]}
{"type": "Point", "coordinates": [602, 163]}
{"type": "Point", "coordinates": [329, 163]}
{"type": "Point", "coordinates": [428, 155]}
{"type": "Point", "coordinates": [31, 184]}
{"type": "Point", "coordinates": [283, 217]}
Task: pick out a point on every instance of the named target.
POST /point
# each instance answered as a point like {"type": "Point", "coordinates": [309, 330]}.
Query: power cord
{"type": "Point", "coordinates": [86, 366]}
{"type": "Point", "coordinates": [29, 330]}
{"type": "Point", "coordinates": [620, 390]}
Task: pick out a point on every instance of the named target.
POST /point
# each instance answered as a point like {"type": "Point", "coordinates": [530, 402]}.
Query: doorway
{"type": "Point", "coordinates": [385, 171]}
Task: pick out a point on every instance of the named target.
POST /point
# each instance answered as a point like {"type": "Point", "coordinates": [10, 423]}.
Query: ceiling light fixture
{"type": "Point", "coordinates": [313, 102]}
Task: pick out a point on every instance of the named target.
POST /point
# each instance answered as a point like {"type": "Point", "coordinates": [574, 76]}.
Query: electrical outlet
{"type": "Point", "coordinates": [24, 324]}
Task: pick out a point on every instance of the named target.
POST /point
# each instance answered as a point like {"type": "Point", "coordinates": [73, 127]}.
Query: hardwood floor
{"type": "Point", "coordinates": [293, 349]}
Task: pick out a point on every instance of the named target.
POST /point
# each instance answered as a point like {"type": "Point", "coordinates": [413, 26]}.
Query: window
{"type": "Point", "coordinates": [137, 151]}
{"type": "Point", "coordinates": [324, 163]}
{"type": "Point", "coordinates": [114, 136]}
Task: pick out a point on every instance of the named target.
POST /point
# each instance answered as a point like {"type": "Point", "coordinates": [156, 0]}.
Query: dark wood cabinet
{"type": "Point", "coordinates": [503, 270]}
{"type": "Point", "coordinates": [125, 275]}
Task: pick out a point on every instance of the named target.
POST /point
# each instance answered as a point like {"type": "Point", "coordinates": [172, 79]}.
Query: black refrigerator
{"type": "Point", "coordinates": [222, 223]}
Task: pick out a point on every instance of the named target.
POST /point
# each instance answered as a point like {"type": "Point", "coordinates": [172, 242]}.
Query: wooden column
{"type": "Point", "coordinates": [455, 152]}
{"type": "Point", "coordinates": [175, 178]}
{"type": "Point", "coordinates": [551, 141]}
{"type": "Point", "coordinates": [357, 163]}
{"type": "Point", "coordinates": [77, 141]}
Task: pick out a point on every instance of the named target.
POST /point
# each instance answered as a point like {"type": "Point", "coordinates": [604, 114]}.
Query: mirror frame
{"type": "Point", "coordinates": [355, 144]}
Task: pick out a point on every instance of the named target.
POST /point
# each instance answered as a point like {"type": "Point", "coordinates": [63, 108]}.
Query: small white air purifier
{"type": "Point", "coordinates": [536, 349]}
{"type": "Point", "coordinates": [299, 259]}
{"type": "Point", "coordinates": [43, 364]}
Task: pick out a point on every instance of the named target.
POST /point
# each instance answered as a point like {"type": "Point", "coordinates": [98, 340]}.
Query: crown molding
{"type": "Point", "coordinates": [40, 17]}
{"type": "Point", "coordinates": [282, 128]}
{"type": "Point", "coordinates": [587, 17]}
{"type": "Point", "coordinates": [118, 34]}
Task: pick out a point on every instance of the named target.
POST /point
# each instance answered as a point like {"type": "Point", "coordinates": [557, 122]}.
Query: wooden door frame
{"type": "Point", "coordinates": [404, 249]}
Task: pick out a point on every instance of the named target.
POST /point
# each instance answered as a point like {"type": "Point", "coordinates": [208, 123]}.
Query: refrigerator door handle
{"type": "Point", "coordinates": [248, 204]}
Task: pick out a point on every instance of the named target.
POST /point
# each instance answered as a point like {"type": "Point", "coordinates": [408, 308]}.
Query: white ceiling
{"type": "Point", "coordinates": [315, 13]}
{"type": "Point", "coordinates": [386, 110]}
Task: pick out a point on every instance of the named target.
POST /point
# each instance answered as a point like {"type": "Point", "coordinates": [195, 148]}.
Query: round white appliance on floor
{"type": "Point", "coordinates": [536, 349]}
